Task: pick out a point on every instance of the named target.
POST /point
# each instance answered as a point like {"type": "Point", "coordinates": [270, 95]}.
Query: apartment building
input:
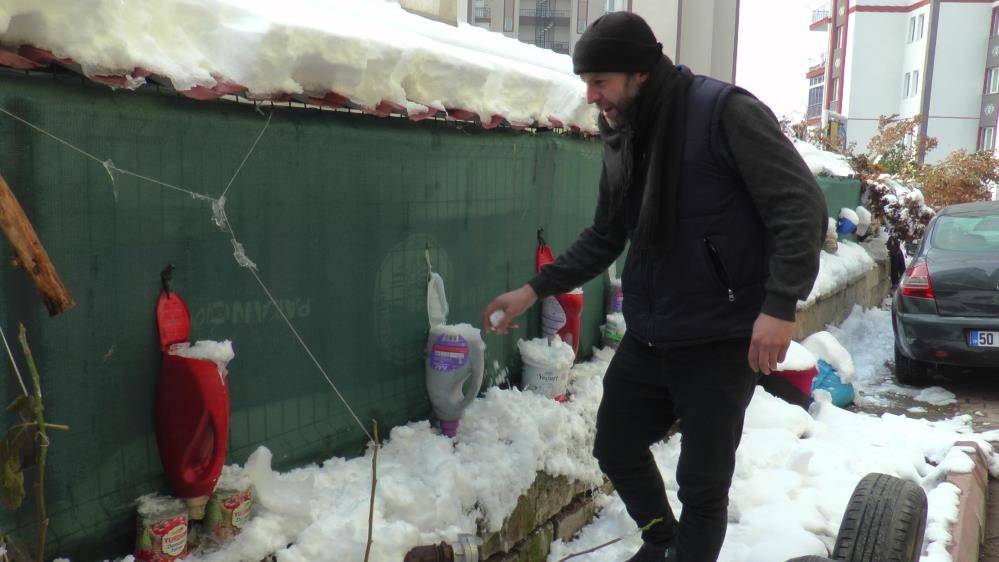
{"type": "Point", "coordinates": [934, 58]}
{"type": "Point", "coordinates": [703, 34]}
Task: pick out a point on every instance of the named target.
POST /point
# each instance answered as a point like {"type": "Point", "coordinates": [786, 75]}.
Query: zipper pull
{"type": "Point", "coordinates": [731, 296]}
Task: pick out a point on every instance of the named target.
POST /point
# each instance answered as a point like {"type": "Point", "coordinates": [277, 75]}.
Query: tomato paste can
{"type": "Point", "coordinates": [161, 529]}
{"type": "Point", "coordinates": [229, 508]}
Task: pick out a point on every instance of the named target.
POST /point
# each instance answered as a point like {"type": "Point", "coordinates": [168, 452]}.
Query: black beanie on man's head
{"type": "Point", "coordinates": [617, 42]}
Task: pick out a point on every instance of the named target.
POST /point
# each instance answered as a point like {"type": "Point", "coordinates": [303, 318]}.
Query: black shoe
{"type": "Point", "coordinates": [650, 553]}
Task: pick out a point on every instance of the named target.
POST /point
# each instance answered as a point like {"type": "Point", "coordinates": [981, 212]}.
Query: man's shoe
{"type": "Point", "coordinates": [650, 553]}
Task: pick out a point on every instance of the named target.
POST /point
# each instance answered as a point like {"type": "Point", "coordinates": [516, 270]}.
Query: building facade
{"type": "Point", "coordinates": [935, 58]}
{"type": "Point", "coordinates": [703, 34]}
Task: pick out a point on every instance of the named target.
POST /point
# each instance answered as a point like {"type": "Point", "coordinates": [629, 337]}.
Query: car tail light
{"type": "Point", "coordinates": [916, 282]}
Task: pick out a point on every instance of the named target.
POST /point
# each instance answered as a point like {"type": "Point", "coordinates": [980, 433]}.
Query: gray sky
{"type": "Point", "coordinates": [775, 47]}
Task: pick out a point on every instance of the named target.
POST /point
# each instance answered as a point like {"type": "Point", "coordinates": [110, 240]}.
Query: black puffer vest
{"type": "Point", "coordinates": [709, 284]}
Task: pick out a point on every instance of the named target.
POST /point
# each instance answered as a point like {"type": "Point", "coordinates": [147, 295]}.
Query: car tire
{"type": "Point", "coordinates": [908, 371]}
{"type": "Point", "coordinates": [811, 559]}
{"type": "Point", "coordinates": [884, 521]}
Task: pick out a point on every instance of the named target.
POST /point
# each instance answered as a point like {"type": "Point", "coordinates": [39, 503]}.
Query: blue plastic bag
{"type": "Point", "coordinates": [828, 380]}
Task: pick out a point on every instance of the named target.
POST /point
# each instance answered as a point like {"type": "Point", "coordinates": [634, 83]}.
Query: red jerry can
{"type": "Point", "coordinates": [192, 411]}
{"type": "Point", "coordinates": [560, 314]}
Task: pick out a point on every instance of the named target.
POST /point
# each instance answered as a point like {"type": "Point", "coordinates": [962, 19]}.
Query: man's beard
{"type": "Point", "coordinates": [624, 114]}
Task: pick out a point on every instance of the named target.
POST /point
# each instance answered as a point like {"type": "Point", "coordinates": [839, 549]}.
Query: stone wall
{"type": "Point", "coordinates": [869, 291]}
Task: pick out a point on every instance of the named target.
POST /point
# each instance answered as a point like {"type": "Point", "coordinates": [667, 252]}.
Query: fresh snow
{"type": "Point", "coordinates": [850, 262]}
{"type": "Point", "coordinates": [822, 162]}
{"type": "Point", "coordinates": [795, 472]}
{"type": "Point", "coordinates": [367, 50]}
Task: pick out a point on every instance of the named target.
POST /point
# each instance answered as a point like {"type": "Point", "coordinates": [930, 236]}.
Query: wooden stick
{"type": "Point", "coordinates": [374, 483]}
{"type": "Point", "coordinates": [31, 254]}
{"type": "Point", "coordinates": [43, 445]}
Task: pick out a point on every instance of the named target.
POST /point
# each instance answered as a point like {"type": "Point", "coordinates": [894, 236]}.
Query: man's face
{"type": "Point", "coordinates": [613, 93]}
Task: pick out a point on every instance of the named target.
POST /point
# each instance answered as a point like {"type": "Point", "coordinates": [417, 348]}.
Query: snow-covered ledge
{"type": "Point", "coordinates": [855, 274]}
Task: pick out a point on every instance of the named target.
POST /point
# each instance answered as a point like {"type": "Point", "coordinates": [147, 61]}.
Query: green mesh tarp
{"type": "Point", "coordinates": [335, 209]}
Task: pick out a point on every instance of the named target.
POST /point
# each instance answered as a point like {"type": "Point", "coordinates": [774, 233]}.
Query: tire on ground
{"type": "Point", "coordinates": [909, 371]}
{"type": "Point", "coordinates": [811, 559]}
{"type": "Point", "coordinates": [884, 521]}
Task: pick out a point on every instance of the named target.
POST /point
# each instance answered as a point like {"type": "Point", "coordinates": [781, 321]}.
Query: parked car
{"type": "Point", "coordinates": [946, 308]}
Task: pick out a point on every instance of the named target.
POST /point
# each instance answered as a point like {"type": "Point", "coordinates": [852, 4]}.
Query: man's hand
{"type": "Point", "coordinates": [512, 304]}
{"type": "Point", "coordinates": [771, 338]}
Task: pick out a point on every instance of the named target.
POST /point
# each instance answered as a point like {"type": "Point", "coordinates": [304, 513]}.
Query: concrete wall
{"type": "Point", "coordinates": [958, 77]}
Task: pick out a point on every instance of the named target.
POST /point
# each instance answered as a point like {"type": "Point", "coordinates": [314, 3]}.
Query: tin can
{"type": "Point", "coordinates": [161, 529]}
{"type": "Point", "coordinates": [229, 508]}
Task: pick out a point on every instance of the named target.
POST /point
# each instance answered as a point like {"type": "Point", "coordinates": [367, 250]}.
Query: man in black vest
{"type": "Point", "coordinates": [725, 222]}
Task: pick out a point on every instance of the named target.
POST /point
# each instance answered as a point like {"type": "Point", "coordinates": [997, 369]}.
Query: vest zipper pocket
{"type": "Point", "coordinates": [720, 272]}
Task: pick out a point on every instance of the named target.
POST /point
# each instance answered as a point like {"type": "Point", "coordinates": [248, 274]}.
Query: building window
{"type": "Point", "coordinates": [614, 5]}
{"type": "Point", "coordinates": [840, 39]}
{"type": "Point", "coordinates": [581, 15]}
{"type": "Point", "coordinates": [920, 26]}
{"type": "Point", "coordinates": [987, 138]}
{"type": "Point", "coordinates": [995, 21]}
{"type": "Point", "coordinates": [992, 81]}
{"type": "Point", "coordinates": [915, 82]}
{"type": "Point", "coordinates": [508, 15]}
{"type": "Point", "coordinates": [912, 29]}
{"type": "Point", "coordinates": [905, 84]}
{"type": "Point", "coordinates": [835, 90]}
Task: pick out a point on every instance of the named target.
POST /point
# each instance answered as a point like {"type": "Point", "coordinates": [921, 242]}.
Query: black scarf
{"type": "Point", "coordinates": [655, 125]}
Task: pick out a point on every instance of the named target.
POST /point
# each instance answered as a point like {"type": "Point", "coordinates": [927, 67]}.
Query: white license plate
{"type": "Point", "coordinates": [983, 338]}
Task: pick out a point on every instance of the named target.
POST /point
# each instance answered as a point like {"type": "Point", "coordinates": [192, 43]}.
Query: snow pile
{"type": "Point", "coordinates": [370, 51]}
{"type": "Point", "coordinates": [553, 353]}
{"type": "Point", "coordinates": [794, 476]}
{"type": "Point", "coordinates": [798, 358]}
{"type": "Point", "coordinates": [826, 347]}
{"type": "Point", "coordinates": [822, 162]}
{"type": "Point", "coordinates": [836, 271]}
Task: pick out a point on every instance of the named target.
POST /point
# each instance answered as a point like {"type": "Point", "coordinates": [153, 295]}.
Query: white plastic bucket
{"type": "Point", "coordinates": [546, 380]}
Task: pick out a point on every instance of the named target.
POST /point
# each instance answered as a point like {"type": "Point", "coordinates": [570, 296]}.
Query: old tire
{"type": "Point", "coordinates": [909, 371]}
{"type": "Point", "coordinates": [811, 559]}
{"type": "Point", "coordinates": [884, 521]}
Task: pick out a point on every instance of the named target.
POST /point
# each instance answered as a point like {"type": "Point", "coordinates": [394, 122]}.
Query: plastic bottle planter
{"type": "Point", "coordinates": [613, 330]}
{"type": "Point", "coordinates": [546, 367]}
{"type": "Point", "coordinates": [455, 355]}
{"type": "Point", "coordinates": [828, 380]}
{"type": "Point", "coordinates": [615, 297]}
{"type": "Point", "coordinates": [192, 411]}
{"type": "Point", "coordinates": [848, 221]}
{"type": "Point", "coordinates": [161, 529]}
{"type": "Point", "coordinates": [560, 314]}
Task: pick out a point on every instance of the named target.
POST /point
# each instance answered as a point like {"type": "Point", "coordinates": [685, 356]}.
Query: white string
{"type": "Point", "coordinates": [107, 164]}
{"type": "Point", "coordinates": [12, 363]}
{"type": "Point", "coordinates": [226, 227]}
{"type": "Point", "coordinates": [247, 157]}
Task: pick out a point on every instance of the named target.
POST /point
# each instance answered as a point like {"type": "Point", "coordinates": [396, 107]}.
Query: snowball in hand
{"type": "Point", "coordinates": [496, 317]}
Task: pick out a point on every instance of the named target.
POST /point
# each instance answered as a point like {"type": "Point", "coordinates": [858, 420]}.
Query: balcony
{"type": "Point", "coordinates": [533, 13]}
{"type": "Point", "coordinates": [813, 111]}
{"type": "Point", "coordinates": [820, 19]}
{"type": "Point", "coordinates": [483, 14]}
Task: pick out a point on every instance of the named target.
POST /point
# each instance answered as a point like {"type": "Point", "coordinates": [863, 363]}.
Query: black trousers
{"type": "Point", "coordinates": [646, 389]}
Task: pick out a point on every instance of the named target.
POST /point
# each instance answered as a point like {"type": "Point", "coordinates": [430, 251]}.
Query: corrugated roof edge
{"type": "Point", "coordinates": [28, 58]}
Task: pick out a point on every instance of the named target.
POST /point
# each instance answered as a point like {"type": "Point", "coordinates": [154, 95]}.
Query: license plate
{"type": "Point", "coordinates": [983, 338]}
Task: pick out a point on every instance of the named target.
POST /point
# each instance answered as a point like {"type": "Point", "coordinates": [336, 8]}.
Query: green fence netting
{"type": "Point", "coordinates": [336, 209]}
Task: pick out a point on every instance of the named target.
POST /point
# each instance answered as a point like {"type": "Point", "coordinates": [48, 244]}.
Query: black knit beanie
{"type": "Point", "coordinates": [617, 42]}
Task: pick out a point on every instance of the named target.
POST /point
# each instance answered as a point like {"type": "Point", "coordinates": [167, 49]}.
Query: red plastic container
{"type": "Point", "coordinates": [560, 314]}
{"type": "Point", "coordinates": [192, 411]}
{"type": "Point", "coordinates": [802, 380]}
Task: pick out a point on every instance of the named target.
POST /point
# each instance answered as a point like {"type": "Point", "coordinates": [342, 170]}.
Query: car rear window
{"type": "Point", "coordinates": [967, 233]}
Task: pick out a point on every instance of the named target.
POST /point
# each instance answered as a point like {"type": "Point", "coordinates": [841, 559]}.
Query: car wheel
{"type": "Point", "coordinates": [885, 520]}
{"type": "Point", "coordinates": [811, 559]}
{"type": "Point", "coordinates": [908, 371]}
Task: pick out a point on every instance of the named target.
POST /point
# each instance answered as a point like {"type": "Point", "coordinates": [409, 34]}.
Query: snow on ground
{"type": "Point", "coordinates": [836, 271]}
{"type": "Point", "coordinates": [795, 473]}
{"type": "Point", "coordinates": [368, 51]}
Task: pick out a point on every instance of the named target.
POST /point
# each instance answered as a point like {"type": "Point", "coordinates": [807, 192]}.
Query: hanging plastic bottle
{"type": "Point", "coordinates": [560, 314]}
{"type": "Point", "coordinates": [455, 356]}
{"type": "Point", "coordinates": [192, 404]}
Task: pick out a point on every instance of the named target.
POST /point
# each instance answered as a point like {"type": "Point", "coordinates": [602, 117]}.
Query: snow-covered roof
{"type": "Point", "coordinates": [369, 53]}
